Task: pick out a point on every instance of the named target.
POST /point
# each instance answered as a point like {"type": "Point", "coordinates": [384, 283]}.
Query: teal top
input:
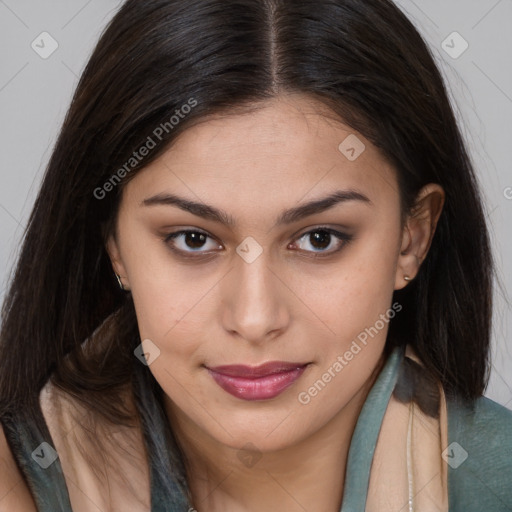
{"type": "Point", "coordinates": [483, 483]}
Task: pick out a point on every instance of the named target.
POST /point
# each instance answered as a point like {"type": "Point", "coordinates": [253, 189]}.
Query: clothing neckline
{"type": "Point", "coordinates": [364, 439]}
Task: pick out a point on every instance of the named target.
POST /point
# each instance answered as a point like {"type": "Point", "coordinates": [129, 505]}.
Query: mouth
{"type": "Point", "coordinates": [257, 382]}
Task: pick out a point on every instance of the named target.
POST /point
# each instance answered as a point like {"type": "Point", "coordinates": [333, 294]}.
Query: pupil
{"type": "Point", "coordinates": [322, 239]}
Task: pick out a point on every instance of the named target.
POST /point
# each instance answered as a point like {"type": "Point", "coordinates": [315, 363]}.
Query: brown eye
{"type": "Point", "coordinates": [190, 241]}
{"type": "Point", "coordinates": [194, 240]}
{"type": "Point", "coordinates": [319, 240]}
{"type": "Point", "coordinates": [322, 241]}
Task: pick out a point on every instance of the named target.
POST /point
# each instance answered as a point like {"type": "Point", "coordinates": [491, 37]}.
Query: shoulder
{"type": "Point", "coordinates": [483, 424]}
{"type": "Point", "coordinates": [99, 459]}
{"type": "Point", "coordinates": [106, 463]}
{"type": "Point", "coordinates": [14, 492]}
{"type": "Point", "coordinates": [479, 455]}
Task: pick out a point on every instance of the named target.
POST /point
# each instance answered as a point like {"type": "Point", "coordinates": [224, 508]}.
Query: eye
{"type": "Point", "coordinates": [190, 241]}
{"type": "Point", "coordinates": [321, 239]}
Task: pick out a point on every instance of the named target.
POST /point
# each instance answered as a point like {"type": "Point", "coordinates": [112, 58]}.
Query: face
{"type": "Point", "coordinates": [306, 288]}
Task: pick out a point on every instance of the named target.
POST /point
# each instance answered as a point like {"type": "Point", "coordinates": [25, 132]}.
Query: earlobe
{"type": "Point", "coordinates": [408, 263]}
{"type": "Point", "coordinates": [114, 253]}
{"type": "Point", "coordinates": [418, 233]}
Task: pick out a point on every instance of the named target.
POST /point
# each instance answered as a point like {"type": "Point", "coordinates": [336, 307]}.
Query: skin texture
{"type": "Point", "coordinates": [283, 306]}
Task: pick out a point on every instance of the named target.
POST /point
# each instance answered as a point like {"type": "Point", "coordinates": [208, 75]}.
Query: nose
{"type": "Point", "coordinates": [254, 302]}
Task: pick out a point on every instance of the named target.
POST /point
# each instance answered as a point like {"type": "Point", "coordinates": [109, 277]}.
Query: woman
{"type": "Point", "coordinates": [257, 276]}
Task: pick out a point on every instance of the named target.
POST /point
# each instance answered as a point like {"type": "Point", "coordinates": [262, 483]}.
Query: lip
{"type": "Point", "coordinates": [257, 382]}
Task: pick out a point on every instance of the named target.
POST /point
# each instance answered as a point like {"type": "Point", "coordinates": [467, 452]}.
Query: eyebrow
{"type": "Point", "coordinates": [287, 217]}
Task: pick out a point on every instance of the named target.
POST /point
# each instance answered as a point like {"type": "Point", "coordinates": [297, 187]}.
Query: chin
{"type": "Point", "coordinates": [267, 434]}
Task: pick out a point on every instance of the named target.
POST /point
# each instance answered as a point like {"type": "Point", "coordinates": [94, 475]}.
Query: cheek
{"type": "Point", "coordinates": [355, 310]}
{"type": "Point", "coordinates": [169, 319]}
{"type": "Point", "coordinates": [165, 293]}
{"type": "Point", "coordinates": [169, 302]}
{"type": "Point", "coordinates": [353, 295]}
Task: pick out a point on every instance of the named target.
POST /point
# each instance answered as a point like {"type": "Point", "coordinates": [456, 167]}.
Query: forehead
{"type": "Point", "coordinates": [289, 147]}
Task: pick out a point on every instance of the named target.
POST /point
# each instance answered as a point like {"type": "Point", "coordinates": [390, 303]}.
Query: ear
{"type": "Point", "coordinates": [419, 228]}
{"type": "Point", "coordinates": [112, 247]}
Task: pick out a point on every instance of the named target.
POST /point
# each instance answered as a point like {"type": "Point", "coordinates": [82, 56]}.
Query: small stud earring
{"type": "Point", "coordinates": [119, 281]}
{"type": "Point", "coordinates": [407, 278]}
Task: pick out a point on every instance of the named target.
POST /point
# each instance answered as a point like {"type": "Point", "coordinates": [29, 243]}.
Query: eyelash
{"type": "Point", "coordinates": [343, 237]}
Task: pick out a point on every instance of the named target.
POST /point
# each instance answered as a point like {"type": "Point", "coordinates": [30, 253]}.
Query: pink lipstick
{"type": "Point", "coordinates": [257, 382]}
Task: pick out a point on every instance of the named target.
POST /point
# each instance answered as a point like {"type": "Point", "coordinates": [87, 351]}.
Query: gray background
{"type": "Point", "coordinates": [35, 94]}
